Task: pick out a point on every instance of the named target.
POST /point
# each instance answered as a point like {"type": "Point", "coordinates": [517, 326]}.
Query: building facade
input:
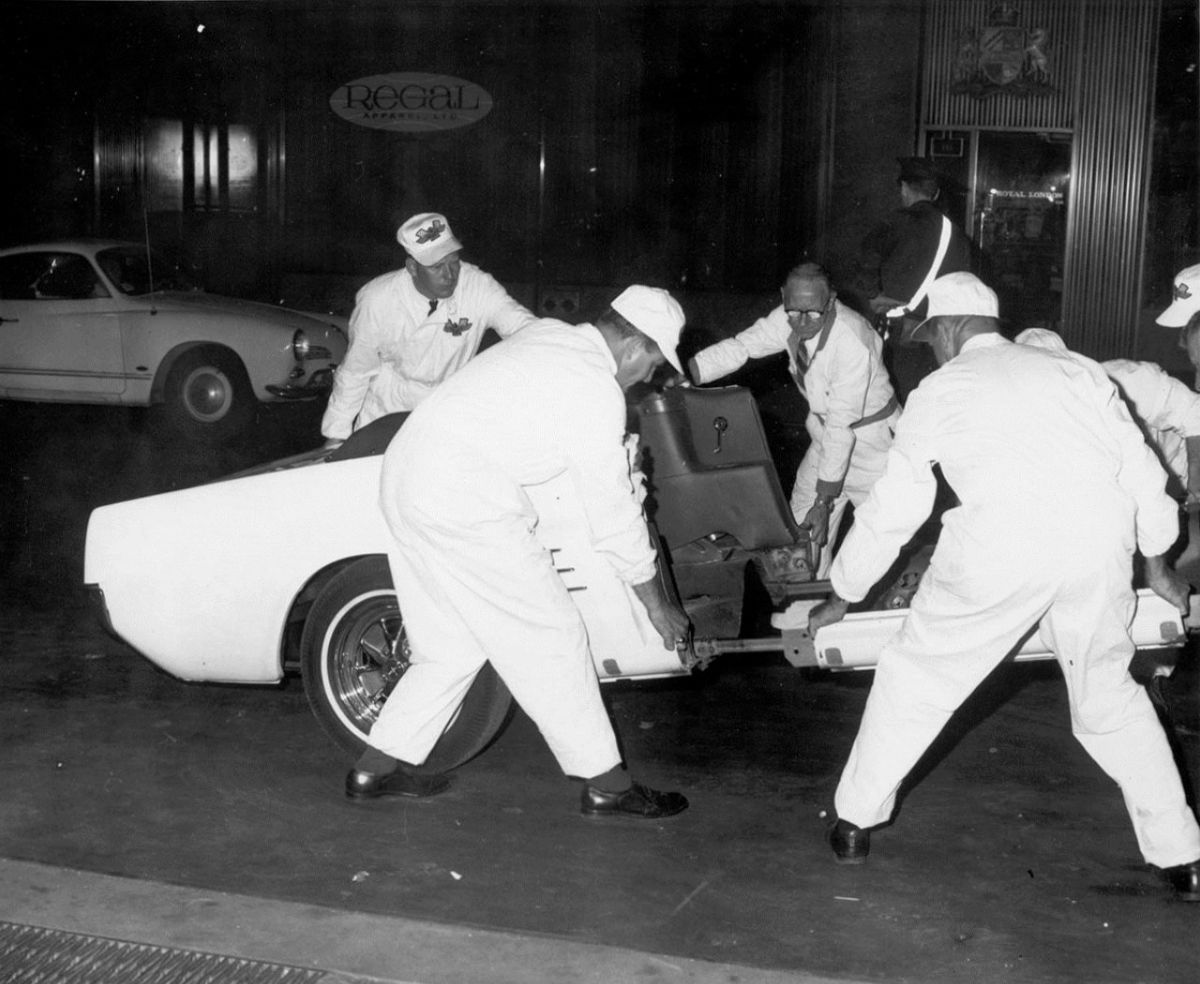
{"type": "Point", "coordinates": [578, 145]}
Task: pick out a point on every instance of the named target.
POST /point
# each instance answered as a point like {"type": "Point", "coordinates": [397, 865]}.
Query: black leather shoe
{"type": "Point", "coordinates": [365, 785]}
{"type": "Point", "coordinates": [638, 801]}
{"type": "Point", "coordinates": [1185, 879]}
{"type": "Point", "coordinates": [850, 844]}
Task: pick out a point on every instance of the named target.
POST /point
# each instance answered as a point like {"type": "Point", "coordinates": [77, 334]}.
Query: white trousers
{"type": "Point", "coordinates": [961, 627]}
{"type": "Point", "coordinates": [867, 464]}
{"type": "Point", "coordinates": [488, 592]}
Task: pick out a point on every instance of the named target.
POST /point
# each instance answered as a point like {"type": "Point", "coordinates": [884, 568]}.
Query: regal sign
{"type": "Point", "coordinates": [411, 102]}
{"type": "Point", "coordinates": [1002, 57]}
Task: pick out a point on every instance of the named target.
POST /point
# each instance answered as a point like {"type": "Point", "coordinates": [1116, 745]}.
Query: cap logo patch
{"type": "Point", "coordinates": [434, 231]}
{"type": "Point", "coordinates": [1181, 291]}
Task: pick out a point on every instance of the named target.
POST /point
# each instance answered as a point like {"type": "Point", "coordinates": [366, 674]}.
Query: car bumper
{"type": "Point", "coordinates": [99, 606]}
{"type": "Point", "coordinates": [318, 384]}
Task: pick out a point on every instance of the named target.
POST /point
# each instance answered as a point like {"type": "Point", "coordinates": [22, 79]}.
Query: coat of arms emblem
{"type": "Point", "coordinates": [1002, 56]}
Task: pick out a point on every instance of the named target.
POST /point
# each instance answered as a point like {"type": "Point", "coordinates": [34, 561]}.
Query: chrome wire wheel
{"type": "Point", "coordinates": [366, 652]}
{"type": "Point", "coordinates": [353, 652]}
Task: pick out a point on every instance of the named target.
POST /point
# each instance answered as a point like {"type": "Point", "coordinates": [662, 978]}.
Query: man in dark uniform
{"type": "Point", "coordinates": [897, 257]}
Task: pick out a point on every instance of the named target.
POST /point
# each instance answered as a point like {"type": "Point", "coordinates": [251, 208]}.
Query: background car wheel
{"type": "Point", "coordinates": [353, 651]}
{"type": "Point", "coordinates": [207, 395]}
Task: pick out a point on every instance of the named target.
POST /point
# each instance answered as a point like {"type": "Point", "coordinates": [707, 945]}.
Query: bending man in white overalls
{"type": "Point", "coordinates": [1057, 488]}
{"type": "Point", "coordinates": [836, 359]}
{"type": "Point", "coordinates": [472, 579]}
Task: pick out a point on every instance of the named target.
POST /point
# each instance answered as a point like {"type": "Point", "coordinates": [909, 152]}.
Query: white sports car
{"type": "Point", "coordinates": [103, 321]}
{"type": "Point", "coordinates": [233, 582]}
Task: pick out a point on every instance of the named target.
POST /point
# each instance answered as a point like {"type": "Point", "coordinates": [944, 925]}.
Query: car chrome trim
{"type": "Point", "coordinates": [72, 373]}
{"type": "Point", "coordinates": [317, 384]}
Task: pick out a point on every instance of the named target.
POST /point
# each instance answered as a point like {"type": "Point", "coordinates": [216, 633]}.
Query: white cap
{"type": "Point", "coordinates": [961, 295]}
{"type": "Point", "coordinates": [656, 314]}
{"type": "Point", "coordinates": [1042, 338]}
{"type": "Point", "coordinates": [427, 238]}
{"type": "Point", "coordinates": [1187, 299]}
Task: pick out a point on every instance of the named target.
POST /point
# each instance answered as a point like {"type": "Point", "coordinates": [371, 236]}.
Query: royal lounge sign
{"type": "Point", "coordinates": [411, 102]}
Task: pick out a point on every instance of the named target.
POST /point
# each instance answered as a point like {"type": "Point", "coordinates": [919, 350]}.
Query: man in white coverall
{"type": "Point", "coordinates": [413, 328]}
{"type": "Point", "coordinates": [836, 359]}
{"type": "Point", "coordinates": [475, 584]}
{"type": "Point", "coordinates": [1057, 488]}
{"type": "Point", "coordinates": [1168, 411]}
{"type": "Point", "coordinates": [1184, 313]}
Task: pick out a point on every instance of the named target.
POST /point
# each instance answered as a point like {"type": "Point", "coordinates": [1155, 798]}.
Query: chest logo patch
{"type": "Point", "coordinates": [456, 328]}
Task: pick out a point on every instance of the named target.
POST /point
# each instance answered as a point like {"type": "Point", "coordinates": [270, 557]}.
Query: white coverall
{"type": "Point", "coordinates": [852, 410]}
{"type": "Point", "coordinates": [1057, 487]}
{"type": "Point", "coordinates": [473, 581]}
{"type": "Point", "coordinates": [400, 350]}
{"type": "Point", "coordinates": [1169, 409]}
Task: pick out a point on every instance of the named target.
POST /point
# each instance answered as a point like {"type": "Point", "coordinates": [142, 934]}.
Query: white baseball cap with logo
{"type": "Point", "coordinates": [427, 238]}
{"type": "Point", "coordinates": [656, 314]}
{"type": "Point", "coordinates": [1187, 299]}
{"type": "Point", "coordinates": [961, 295]}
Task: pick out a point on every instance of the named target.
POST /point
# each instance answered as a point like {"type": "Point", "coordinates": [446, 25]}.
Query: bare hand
{"type": "Point", "coordinates": [1170, 587]}
{"type": "Point", "coordinates": [671, 622]}
{"type": "Point", "coordinates": [832, 610]}
{"type": "Point", "coordinates": [816, 522]}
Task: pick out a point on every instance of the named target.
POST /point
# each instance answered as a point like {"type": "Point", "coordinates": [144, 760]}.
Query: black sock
{"type": "Point", "coordinates": [615, 780]}
{"type": "Point", "coordinates": [375, 762]}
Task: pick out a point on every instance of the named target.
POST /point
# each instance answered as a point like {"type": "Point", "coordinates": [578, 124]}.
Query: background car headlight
{"type": "Point", "coordinates": [300, 346]}
{"type": "Point", "coordinates": [304, 351]}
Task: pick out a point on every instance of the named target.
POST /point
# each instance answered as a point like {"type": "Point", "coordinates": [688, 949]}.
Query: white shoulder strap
{"type": "Point", "coordinates": [930, 277]}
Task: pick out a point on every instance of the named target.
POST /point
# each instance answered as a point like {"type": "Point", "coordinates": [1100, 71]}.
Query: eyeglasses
{"type": "Point", "coordinates": [808, 315]}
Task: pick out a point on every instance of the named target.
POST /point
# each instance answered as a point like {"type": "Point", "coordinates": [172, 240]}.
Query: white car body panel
{"type": "Point", "coordinates": [201, 581]}
{"type": "Point", "coordinates": [623, 642]}
{"type": "Point", "coordinates": [259, 333]}
{"type": "Point", "coordinates": [855, 642]}
{"type": "Point", "coordinates": [63, 349]}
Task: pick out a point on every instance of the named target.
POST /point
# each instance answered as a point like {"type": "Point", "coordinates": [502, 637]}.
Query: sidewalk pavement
{"type": "Point", "coordinates": [348, 947]}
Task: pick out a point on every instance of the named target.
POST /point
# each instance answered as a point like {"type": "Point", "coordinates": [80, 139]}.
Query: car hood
{"type": "Point", "coordinates": [241, 308]}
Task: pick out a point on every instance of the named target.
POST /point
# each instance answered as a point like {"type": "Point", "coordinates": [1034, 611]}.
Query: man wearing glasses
{"type": "Point", "coordinates": [836, 359]}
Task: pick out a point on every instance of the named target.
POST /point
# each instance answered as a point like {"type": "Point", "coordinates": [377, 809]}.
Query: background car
{"type": "Point", "coordinates": [104, 321]}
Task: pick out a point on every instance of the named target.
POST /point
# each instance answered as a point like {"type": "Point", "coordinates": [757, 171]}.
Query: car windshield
{"type": "Point", "coordinates": [127, 267]}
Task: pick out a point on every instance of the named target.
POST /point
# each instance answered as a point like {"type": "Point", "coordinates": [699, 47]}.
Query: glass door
{"type": "Point", "coordinates": [1010, 189]}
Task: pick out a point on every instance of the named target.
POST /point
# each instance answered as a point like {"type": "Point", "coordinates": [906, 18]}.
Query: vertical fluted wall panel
{"type": "Point", "coordinates": [1109, 176]}
{"type": "Point", "coordinates": [117, 153]}
{"type": "Point", "coordinates": [1101, 60]}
